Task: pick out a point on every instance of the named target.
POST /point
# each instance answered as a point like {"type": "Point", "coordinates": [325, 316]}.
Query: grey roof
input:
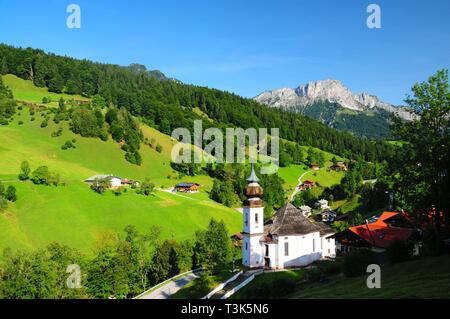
{"type": "Point", "coordinates": [290, 221]}
{"type": "Point", "coordinates": [185, 184]}
{"type": "Point", "coordinates": [325, 229]}
{"type": "Point", "coordinates": [253, 178]}
{"type": "Point", "coordinates": [100, 177]}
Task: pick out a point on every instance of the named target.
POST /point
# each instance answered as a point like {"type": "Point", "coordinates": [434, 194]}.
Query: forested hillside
{"type": "Point", "coordinates": [167, 104]}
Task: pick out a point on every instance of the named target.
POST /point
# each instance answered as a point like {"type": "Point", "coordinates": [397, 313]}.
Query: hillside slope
{"type": "Point", "coordinates": [75, 215]}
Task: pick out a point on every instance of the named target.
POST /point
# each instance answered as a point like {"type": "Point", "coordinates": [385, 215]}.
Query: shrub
{"type": "Point", "coordinates": [356, 262]}
{"type": "Point", "coordinates": [118, 191]}
{"type": "Point", "coordinates": [11, 193]}
{"type": "Point", "coordinates": [58, 132]}
{"type": "Point", "coordinates": [24, 171]}
{"type": "Point", "coordinates": [44, 123]}
{"type": "Point", "coordinates": [398, 251]}
{"type": "Point", "coordinates": [20, 123]}
{"type": "Point", "coordinates": [32, 119]}
{"type": "Point", "coordinates": [68, 145]}
{"type": "Point", "coordinates": [330, 267]}
{"type": "Point", "coordinates": [41, 176]}
{"type": "Point", "coordinates": [159, 148]}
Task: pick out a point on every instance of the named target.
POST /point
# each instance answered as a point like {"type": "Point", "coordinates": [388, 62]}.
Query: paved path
{"type": "Point", "coordinates": [296, 190]}
{"type": "Point", "coordinates": [167, 290]}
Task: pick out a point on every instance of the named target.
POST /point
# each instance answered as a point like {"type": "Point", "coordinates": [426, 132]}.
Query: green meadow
{"type": "Point", "coordinates": [75, 215]}
{"type": "Point", "coordinates": [26, 91]}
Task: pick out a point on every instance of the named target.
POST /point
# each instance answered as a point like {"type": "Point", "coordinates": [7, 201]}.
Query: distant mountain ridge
{"type": "Point", "coordinates": [331, 102]}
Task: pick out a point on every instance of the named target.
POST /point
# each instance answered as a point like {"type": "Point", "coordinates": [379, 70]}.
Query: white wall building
{"type": "Point", "coordinates": [289, 239]}
{"type": "Point", "coordinates": [114, 181]}
{"type": "Point", "coordinates": [305, 210]}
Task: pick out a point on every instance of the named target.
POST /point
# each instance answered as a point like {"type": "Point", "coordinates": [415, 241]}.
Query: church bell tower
{"type": "Point", "coordinates": [253, 228]}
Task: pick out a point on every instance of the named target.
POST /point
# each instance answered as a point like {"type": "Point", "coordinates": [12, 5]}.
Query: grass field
{"type": "Point", "coordinates": [75, 215]}
{"type": "Point", "coordinates": [24, 90]}
{"type": "Point", "coordinates": [421, 278]}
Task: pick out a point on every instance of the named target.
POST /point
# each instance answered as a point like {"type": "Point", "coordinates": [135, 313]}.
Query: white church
{"type": "Point", "coordinates": [287, 240]}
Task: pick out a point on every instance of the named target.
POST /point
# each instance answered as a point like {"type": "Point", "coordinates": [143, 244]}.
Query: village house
{"type": "Point", "coordinates": [305, 210]}
{"type": "Point", "coordinates": [328, 216]}
{"type": "Point", "coordinates": [378, 234]}
{"type": "Point", "coordinates": [339, 166]}
{"type": "Point", "coordinates": [129, 182]}
{"type": "Point", "coordinates": [187, 187]}
{"type": "Point", "coordinates": [287, 240]}
{"type": "Point", "coordinates": [114, 181]}
{"type": "Point", "coordinates": [322, 204]}
{"type": "Point", "coordinates": [315, 167]}
{"type": "Point", "coordinates": [308, 184]}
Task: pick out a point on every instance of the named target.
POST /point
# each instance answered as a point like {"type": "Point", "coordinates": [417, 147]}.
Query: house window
{"type": "Point", "coordinates": [246, 246]}
{"type": "Point", "coordinates": [246, 219]}
{"type": "Point", "coordinates": [267, 250]}
{"type": "Point", "coordinates": [329, 251]}
{"type": "Point", "coordinates": [256, 218]}
{"type": "Point", "coordinates": [286, 249]}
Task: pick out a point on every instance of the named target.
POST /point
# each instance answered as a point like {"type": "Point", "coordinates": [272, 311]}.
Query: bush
{"type": "Point", "coordinates": [356, 262]}
{"type": "Point", "coordinates": [118, 191]}
{"type": "Point", "coordinates": [41, 176]}
{"type": "Point", "coordinates": [68, 145]}
{"type": "Point", "coordinates": [44, 123]}
{"type": "Point", "coordinates": [32, 119]}
{"type": "Point", "coordinates": [398, 251]}
{"type": "Point", "coordinates": [58, 132]}
{"type": "Point", "coordinates": [159, 148]}
{"type": "Point", "coordinates": [20, 123]}
{"type": "Point", "coordinates": [24, 171]}
{"type": "Point", "coordinates": [11, 194]}
{"type": "Point", "coordinates": [329, 267]}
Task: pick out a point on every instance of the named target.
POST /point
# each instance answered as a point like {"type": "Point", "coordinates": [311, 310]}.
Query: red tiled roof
{"type": "Point", "coordinates": [381, 234]}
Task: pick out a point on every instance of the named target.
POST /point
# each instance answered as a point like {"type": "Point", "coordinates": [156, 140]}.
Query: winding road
{"type": "Point", "coordinates": [297, 189]}
{"type": "Point", "coordinates": [167, 290]}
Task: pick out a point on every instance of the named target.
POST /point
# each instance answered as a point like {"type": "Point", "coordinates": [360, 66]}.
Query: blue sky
{"type": "Point", "coordinates": [247, 46]}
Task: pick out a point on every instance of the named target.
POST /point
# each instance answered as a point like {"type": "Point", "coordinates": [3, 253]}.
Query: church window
{"type": "Point", "coordinates": [286, 249]}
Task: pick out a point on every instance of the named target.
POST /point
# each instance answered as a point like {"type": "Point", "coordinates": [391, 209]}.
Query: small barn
{"type": "Point", "coordinates": [114, 181]}
{"type": "Point", "coordinates": [187, 187]}
{"type": "Point", "coordinates": [339, 167]}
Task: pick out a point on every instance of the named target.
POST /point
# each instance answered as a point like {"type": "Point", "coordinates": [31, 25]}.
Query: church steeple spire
{"type": "Point", "coordinates": [253, 178]}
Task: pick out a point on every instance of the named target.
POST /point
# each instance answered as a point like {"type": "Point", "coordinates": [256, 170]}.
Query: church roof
{"type": "Point", "coordinates": [290, 221]}
{"type": "Point", "coordinates": [253, 178]}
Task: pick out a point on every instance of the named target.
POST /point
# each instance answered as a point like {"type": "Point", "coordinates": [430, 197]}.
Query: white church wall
{"type": "Point", "coordinates": [303, 250]}
{"type": "Point", "coordinates": [252, 252]}
{"type": "Point", "coordinates": [253, 224]}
